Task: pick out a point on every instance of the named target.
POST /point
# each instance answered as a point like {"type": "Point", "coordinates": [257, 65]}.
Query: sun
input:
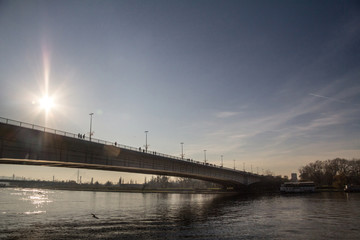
{"type": "Point", "coordinates": [46, 103]}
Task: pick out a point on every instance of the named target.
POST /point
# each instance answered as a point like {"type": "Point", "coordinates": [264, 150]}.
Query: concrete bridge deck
{"type": "Point", "coordinates": [22, 143]}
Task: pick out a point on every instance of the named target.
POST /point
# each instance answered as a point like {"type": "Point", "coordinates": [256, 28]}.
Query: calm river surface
{"type": "Point", "coordinates": [55, 214]}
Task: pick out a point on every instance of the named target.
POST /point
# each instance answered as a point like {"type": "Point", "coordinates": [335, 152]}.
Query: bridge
{"type": "Point", "coordinates": [29, 144]}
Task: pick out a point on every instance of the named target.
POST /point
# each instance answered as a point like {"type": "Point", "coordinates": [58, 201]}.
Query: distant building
{"type": "Point", "coordinates": [294, 177]}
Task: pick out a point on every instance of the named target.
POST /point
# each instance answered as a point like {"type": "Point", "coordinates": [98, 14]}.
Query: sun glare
{"type": "Point", "coordinates": [46, 103]}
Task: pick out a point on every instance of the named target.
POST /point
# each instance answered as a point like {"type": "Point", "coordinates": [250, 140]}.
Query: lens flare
{"type": "Point", "coordinates": [46, 103]}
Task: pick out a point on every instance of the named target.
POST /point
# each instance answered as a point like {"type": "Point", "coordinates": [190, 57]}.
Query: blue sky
{"type": "Point", "coordinates": [271, 84]}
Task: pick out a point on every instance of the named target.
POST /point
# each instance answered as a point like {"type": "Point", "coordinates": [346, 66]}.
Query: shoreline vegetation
{"type": "Point", "coordinates": [332, 174]}
{"type": "Point", "coordinates": [259, 188]}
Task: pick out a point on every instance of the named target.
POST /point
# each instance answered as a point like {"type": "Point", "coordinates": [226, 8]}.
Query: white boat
{"type": "Point", "coordinates": [297, 187]}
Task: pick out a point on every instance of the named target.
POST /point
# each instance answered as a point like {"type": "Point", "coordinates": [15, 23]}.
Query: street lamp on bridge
{"type": "Point", "coordinates": [146, 145]}
{"type": "Point", "coordinates": [205, 156]}
{"type": "Point", "coordinates": [182, 150]}
{"type": "Point", "coordinates": [91, 133]}
{"type": "Point", "coordinates": [222, 161]}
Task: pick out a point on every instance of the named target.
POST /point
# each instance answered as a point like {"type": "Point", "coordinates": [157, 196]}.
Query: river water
{"type": "Point", "coordinates": [55, 214]}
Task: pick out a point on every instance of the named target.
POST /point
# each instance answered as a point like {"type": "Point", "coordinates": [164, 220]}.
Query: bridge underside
{"type": "Point", "coordinates": [47, 163]}
{"type": "Point", "coordinates": [19, 145]}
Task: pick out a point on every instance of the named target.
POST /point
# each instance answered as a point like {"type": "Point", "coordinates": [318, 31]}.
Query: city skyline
{"type": "Point", "coordinates": [272, 85]}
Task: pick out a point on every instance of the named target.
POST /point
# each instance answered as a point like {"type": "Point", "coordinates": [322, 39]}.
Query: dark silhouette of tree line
{"type": "Point", "coordinates": [164, 182]}
{"type": "Point", "coordinates": [337, 172]}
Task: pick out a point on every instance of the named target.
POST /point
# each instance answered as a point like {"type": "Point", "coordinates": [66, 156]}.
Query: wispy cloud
{"type": "Point", "coordinates": [226, 114]}
{"type": "Point", "coordinates": [282, 134]}
{"type": "Point", "coordinates": [329, 98]}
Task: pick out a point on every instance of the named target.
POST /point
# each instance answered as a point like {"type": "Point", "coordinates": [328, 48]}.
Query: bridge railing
{"type": "Point", "coordinates": [60, 132]}
{"type": "Point", "coordinates": [86, 138]}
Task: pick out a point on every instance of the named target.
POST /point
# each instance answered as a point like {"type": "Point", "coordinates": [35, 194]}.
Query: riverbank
{"type": "Point", "coordinates": [135, 188]}
{"type": "Point", "coordinates": [141, 188]}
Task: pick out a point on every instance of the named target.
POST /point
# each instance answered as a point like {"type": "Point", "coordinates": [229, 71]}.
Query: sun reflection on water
{"type": "Point", "coordinates": [34, 212]}
{"type": "Point", "coordinates": [36, 197]}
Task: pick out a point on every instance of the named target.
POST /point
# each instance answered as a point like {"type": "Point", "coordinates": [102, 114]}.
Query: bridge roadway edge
{"type": "Point", "coordinates": [20, 145]}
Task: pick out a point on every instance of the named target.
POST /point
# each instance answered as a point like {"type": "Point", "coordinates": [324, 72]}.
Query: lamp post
{"type": "Point", "coordinates": [222, 161]}
{"type": "Point", "coordinates": [205, 156]}
{"type": "Point", "coordinates": [182, 150]}
{"type": "Point", "coordinates": [146, 145]}
{"type": "Point", "coordinates": [91, 114]}
{"type": "Point", "coordinates": [234, 164]}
